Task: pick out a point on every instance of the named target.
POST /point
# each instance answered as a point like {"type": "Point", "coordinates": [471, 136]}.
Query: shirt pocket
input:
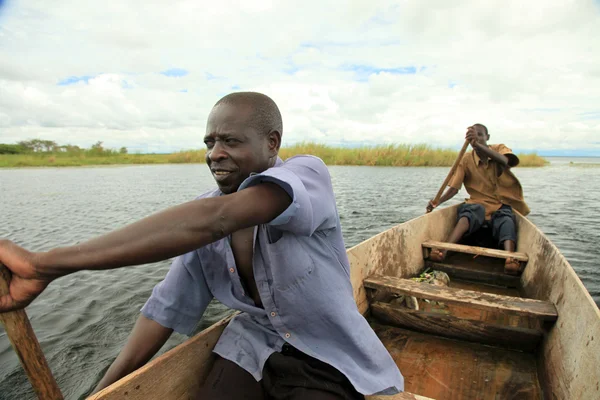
{"type": "Point", "coordinates": [288, 262]}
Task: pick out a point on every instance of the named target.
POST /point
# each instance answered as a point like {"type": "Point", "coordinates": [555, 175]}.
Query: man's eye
{"type": "Point", "coordinates": [230, 140]}
{"type": "Point", "coordinates": [209, 144]}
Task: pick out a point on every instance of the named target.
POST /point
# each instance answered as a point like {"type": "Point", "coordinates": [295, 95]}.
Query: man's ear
{"type": "Point", "coordinates": [274, 140]}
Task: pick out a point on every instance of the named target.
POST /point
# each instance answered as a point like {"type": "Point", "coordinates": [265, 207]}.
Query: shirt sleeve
{"type": "Point", "coordinates": [513, 160]}
{"type": "Point", "coordinates": [179, 301]}
{"type": "Point", "coordinates": [306, 180]}
{"type": "Point", "coordinates": [459, 176]}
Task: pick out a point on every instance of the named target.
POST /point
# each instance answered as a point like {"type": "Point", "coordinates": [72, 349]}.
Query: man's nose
{"type": "Point", "coordinates": [218, 152]}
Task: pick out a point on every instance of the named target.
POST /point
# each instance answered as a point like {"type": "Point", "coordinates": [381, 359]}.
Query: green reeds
{"type": "Point", "coordinates": [397, 155]}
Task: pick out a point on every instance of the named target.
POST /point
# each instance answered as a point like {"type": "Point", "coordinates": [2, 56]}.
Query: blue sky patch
{"type": "Point", "coordinates": [74, 79]}
{"type": "Point", "coordinates": [290, 68]}
{"type": "Point", "coordinates": [363, 72]}
{"type": "Point", "coordinates": [235, 87]}
{"type": "Point", "coordinates": [175, 72]}
{"type": "Point", "coordinates": [590, 115]}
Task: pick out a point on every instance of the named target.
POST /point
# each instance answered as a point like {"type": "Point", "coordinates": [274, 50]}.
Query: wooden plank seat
{"type": "Point", "coordinates": [479, 251]}
{"type": "Point", "coordinates": [493, 319]}
{"type": "Point", "coordinates": [450, 324]}
{"type": "Point", "coordinates": [483, 301]}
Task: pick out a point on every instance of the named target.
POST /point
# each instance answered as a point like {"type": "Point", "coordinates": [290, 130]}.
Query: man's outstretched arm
{"type": "Point", "coordinates": [166, 234]}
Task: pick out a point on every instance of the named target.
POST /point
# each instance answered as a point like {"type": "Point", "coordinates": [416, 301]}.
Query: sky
{"type": "Point", "coordinates": [145, 74]}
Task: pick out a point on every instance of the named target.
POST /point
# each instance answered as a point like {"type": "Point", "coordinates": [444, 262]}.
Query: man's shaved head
{"type": "Point", "coordinates": [265, 116]}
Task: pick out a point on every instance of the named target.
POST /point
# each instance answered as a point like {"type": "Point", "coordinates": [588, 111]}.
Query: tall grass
{"type": "Point", "coordinates": [400, 155]}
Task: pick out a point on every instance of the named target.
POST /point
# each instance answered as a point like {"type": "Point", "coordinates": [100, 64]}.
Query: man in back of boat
{"type": "Point", "coordinates": [494, 192]}
{"type": "Point", "coordinates": [266, 242]}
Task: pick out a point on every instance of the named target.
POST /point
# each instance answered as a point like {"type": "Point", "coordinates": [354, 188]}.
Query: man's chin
{"type": "Point", "coordinates": [228, 188]}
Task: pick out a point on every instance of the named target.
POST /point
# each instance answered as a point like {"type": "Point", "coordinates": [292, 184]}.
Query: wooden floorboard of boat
{"type": "Point", "coordinates": [399, 396]}
{"type": "Point", "coordinates": [442, 368]}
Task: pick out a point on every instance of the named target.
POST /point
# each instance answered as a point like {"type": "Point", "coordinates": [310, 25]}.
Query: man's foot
{"type": "Point", "coordinates": [512, 266]}
{"type": "Point", "coordinates": [437, 255]}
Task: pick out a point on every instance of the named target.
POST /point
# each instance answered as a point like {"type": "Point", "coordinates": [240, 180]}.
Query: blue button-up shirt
{"type": "Point", "coordinates": [303, 277]}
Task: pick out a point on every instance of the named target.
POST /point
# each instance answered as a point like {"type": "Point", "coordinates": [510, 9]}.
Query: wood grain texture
{"type": "Point", "coordinates": [480, 251]}
{"type": "Point", "coordinates": [483, 301]}
{"type": "Point", "coordinates": [175, 375]}
{"type": "Point", "coordinates": [449, 325]}
{"type": "Point", "coordinates": [442, 368]}
{"type": "Point", "coordinates": [473, 274]}
{"type": "Point", "coordinates": [569, 357]}
{"type": "Point", "coordinates": [397, 251]}
{"type": "Point", "coordinates": [28, 349]}
{"type": "Point", "coordinates": [399, 396]}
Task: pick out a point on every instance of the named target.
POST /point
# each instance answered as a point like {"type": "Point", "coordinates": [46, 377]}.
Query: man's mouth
{"type": "Point", "coordinates": [220, 174]}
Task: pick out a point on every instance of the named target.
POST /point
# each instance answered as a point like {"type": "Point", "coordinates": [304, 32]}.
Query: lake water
{"type": "Point", "coordinates": [83, 320]}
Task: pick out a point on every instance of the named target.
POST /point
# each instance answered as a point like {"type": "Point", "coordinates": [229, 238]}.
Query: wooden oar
{"type": "Point", "coordinates": [461, 153]}
{"type": "Point", "coordinates": [27, 347]}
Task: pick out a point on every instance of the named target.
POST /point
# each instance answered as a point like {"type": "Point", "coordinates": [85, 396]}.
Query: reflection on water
{"type": "Point", "coordinates": [83, 320]}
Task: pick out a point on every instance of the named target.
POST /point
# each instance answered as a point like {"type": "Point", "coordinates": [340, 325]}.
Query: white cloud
{"type": "Point", "coordinates": [529, 70]}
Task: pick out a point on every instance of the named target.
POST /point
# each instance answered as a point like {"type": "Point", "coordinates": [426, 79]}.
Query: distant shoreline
{"type": "Point", "coordinates": [401, 155]}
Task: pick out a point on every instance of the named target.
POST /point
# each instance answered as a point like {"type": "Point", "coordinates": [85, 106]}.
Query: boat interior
{"type": "Point", "coordinates": [481, 335]}
{"type": "Point", "coordinates": [476, 334]}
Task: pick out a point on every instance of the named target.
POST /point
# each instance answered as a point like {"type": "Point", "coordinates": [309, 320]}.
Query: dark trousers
{"type": "Point", "coordinates": [290, 375]}
{"type": "Point", "coordinates": [502, 223]}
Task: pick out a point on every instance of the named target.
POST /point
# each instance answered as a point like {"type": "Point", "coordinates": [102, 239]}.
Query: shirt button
{"type": "Point", "coordinates": [231, 270]}
{"type": "Point", "coordinates": [287, 336]}
{"type": "Point", "coordinates": [273, 313]}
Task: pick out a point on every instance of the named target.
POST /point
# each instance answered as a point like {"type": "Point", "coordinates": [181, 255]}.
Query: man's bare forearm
{"type": "Point", "coordinates": [494, 155]}
{"type": "Point", "coordinates": [450, 193]}
{"type": "Point", "coordinates": [169, 233]}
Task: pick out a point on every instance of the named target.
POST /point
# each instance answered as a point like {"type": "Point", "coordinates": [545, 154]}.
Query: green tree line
{"type": "Point", "coordinates": [39, 146]}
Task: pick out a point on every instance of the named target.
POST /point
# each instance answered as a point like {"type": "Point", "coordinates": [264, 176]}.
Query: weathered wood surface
{"type": "Point", "coordinates": [177, 374]}
{"type": "Point", "coordinates": [484, 287]}
{"type": "Point", "coordinates": [449, 325]}
{"type": "Point", "coordinates": [443, 368]}
{"type": "Point", "coordinates": [479, 251]}
{"type": "Point", "coordinates": [399, 396]}
{"type": "Point", "coordinates": [28, 349]}
{"type": "Point", "coordinates": [569, 357]}
{"type": "Point", "coordinates": [397, 251]}
{"type": "Point", "coordinates": [473, 274]}
{"type": "Point", "coordinates": [483, 301]}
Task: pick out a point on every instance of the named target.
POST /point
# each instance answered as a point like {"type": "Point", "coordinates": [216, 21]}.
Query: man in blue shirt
{"type": "Point", "coordinates": [267, 242]}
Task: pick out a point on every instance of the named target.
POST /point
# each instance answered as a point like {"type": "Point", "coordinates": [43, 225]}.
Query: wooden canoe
{"type": "Point", "coordinates": [485, 336]}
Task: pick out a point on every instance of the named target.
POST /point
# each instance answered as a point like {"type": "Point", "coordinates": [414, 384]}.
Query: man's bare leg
{"type": "Point", "coordinates": [459, 230]}
{"type": "Point", "coordinates": [511, 266]}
